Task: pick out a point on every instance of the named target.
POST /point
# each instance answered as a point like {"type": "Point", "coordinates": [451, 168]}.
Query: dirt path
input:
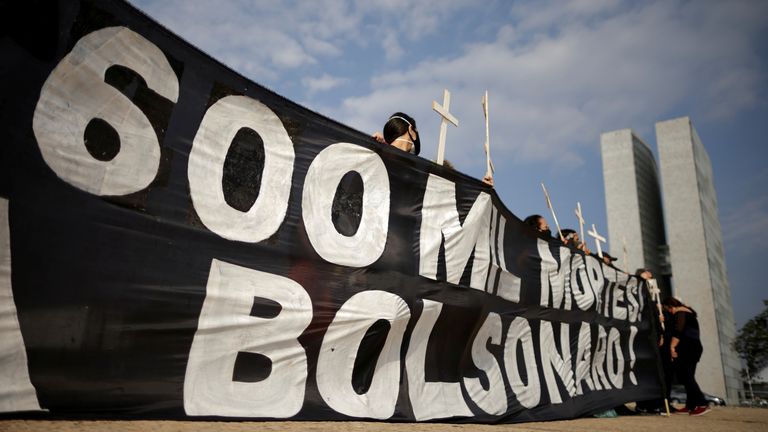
{"type": "Point", "coordinates": [720, 419]}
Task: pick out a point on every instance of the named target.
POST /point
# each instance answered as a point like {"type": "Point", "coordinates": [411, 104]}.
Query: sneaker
{"type": "Point", "coordinates": [700, 410]}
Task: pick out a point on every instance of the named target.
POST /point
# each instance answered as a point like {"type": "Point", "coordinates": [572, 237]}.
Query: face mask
{"type": "Point", "coordinates": [416, 145]}
{"type": "Point", "coordinates": [413, 146]}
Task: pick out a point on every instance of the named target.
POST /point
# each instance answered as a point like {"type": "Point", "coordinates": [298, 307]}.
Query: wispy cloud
{"type": "Point", "coordinates": [322, 83]}
{"type": "Point", "coordinates": [559, 73]}
{"type": "Point", "coordinates": [746, 227]}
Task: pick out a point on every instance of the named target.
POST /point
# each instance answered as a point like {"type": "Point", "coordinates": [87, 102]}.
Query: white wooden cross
{"type": "Point", "coordinates": [489, 169]}
{"type": "Point", "coordinates": [581, 221]}
{"type": "Point", "coordinates": [446, 117]}
{"type": "Point", "coordinates": [653, 289]}
{"type": "Point", "coordinates": [598, 239]}
{"type": "Point", "coordinates": [554, 216]}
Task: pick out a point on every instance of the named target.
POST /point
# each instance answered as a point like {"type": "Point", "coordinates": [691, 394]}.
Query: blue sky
{"type": "Point", "coordinates": [558, 73]}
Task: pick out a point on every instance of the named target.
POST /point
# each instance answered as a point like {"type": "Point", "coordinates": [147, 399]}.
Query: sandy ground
{"type": "Point", "coordinates": [720, 419]}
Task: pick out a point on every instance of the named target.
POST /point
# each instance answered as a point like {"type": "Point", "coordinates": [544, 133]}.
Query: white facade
{"type": "Point", "coordinates": [633, 203]}
{"type": "Point", "coordinates": [699, 276]}
{"type": "Point", "coordinates": [693, 236]}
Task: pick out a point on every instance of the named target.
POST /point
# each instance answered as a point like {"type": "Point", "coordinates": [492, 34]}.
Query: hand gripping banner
{"type": "Point", "coordinates": [178, 242]}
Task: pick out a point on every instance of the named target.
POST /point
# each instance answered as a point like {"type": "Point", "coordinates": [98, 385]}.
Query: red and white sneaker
{"type": "Point", "coordinates": [700, 410]}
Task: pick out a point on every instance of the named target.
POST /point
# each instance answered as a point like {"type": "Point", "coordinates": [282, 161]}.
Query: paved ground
{"type": "Point", "coordinates": [720, 419]}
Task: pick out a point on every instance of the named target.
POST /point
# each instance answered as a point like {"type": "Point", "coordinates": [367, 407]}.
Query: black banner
{"type": "Point", "coordinates": [177, 241]}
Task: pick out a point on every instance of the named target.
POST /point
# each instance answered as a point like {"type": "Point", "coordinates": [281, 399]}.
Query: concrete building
{"type": "Point", "coordinates": [633, 201]}
{"type": "Point", "coordinates": [696, 251]}
{"type": "Point", "coordinates": [688, 256]}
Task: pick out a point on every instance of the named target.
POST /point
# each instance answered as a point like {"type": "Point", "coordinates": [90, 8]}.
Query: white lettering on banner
{"type": "Point", "coordinates": [635, 287]}
{"type": "Point", "coordinates": [610, 278]}
{"type": "Point", "coordinates": [584, 359]}
{"type": "Point", "coordinates": [16, 390]}
{"type": "Point", "coordinates": [519, 333]}
{"type": "Point", "coordinates": [226, 328]}
{"type": "Point", "coordinates": [323, 177]}
{"type": "Point", "coordinates": [579, 279]}
{"type": "Point", "coordinates": [555, 278]}
{"type": "Point", "coordinates": [596, 280]}
{"type": "Point", "coordinates": [494, 400]}
{"type": "Point", "coordinates": [633, 309]}
{"type": "Point", "coordinates": [632, 357]}
{"type": "Point", "coordinates": [221, 123]}
{"type": "Point", "coordinates": [619, 308]}
{"type": "Point", "coordinates": [552, 362]}
{"type": "Point", "coordinates": [609, 273]}
{"type": "Point", "coordinates": [580, 283]}
{"type": "Point", "coordinates": [615, 360]}
{"type": "Point", "coordinates": [340, 347]}
{"type": "Point", "coordinates": [598, 361]}
{"type": "Point", "coordinates": [440, 220]}
{"type": "Point", "coordinates": [430, 400]}
{"type": "Point", "coordinates": [509, 284]}
{"type": "Point", "coordinates": [75, 93]}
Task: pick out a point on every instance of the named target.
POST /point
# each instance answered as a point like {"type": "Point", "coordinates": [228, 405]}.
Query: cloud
{"type": "Point", "coordinates": [561, 73]}
{"type": "Point", "coordinates": [392, 48]}
{"type": "Point", "coordinates": [323, 83]}
{"type": "Point", "coordinates": [746, 226]}
{"type": "Point", "coordinates": [265, 38]}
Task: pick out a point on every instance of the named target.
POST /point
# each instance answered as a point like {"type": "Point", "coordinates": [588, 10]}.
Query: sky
{"type": "Point", "coordinates": [558, 75]}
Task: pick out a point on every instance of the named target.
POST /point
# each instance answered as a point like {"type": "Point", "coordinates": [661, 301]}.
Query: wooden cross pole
{"type": "Point", "coordinates": [581, 221]}
{"type": "Point", "coordinates": [554, 216]}
{"type": "Point", "coordinates": [489, 169]}
{"type": "Point", "coordinates": [598, 239]}
{"type": "Point", "coordinates": [446, 117]}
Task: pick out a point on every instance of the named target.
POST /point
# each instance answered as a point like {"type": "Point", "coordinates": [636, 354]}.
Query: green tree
{"type": "Point", "coordinates": [752, 342]}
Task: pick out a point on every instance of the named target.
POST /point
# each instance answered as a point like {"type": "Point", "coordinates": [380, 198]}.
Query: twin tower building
{"type": "Point", "coordinates": [666, 220]}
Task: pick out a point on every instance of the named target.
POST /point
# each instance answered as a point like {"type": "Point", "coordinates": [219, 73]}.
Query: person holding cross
{"type": "Point", "coordinates": [400, 132]}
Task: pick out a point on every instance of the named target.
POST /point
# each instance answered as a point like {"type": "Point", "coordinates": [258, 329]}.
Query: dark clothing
{"type": "Point", "coordinates": [686, 329]}
{"type": "Point", "coordinates": [666, 354]}
{"type": "Point", "coordinates": [664, 330]}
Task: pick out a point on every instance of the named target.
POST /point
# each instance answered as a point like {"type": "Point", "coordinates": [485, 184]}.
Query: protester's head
{"type": "Point", "coordinates": [538, 223]}
{"type": "Point", "coordinates": [400, 131]}
{"type": "Point", "coordinates": [646, 274]}
{"type": "Point", "coordinates": [671, 305]}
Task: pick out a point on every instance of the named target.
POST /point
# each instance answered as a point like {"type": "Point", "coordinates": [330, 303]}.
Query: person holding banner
{"type": "Point", "coordinates": [572, 239]}
{"type": "Point", "coordinates": [400, 132]}
{"type": "Point", "coordinates": [538, 223]}
{"type": "Point", "coordinates": [608, 258]}
{"type": "Point", "coordinates": [664, 333]}
{"type": "Point", "coordinates": [685, 351]}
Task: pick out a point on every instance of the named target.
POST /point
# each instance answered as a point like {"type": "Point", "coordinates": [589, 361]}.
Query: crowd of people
{"type": "Point", "coordinates": [678, 328]}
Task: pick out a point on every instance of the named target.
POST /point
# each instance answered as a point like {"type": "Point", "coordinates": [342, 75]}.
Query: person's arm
{"type": "Point", "coordinates": [677, 332]}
